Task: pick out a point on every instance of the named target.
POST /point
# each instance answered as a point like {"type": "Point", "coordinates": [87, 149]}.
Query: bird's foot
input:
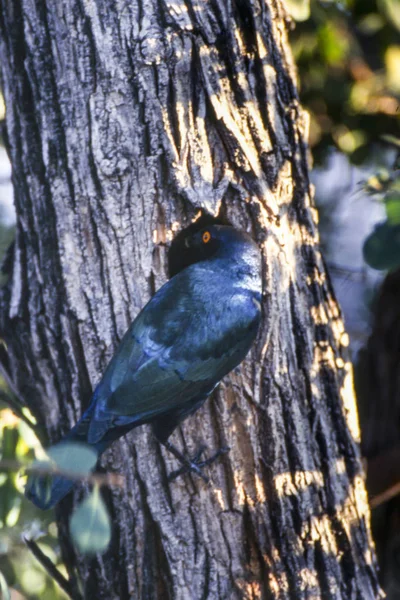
{"type": "Point", "coordinates": [194, 465]}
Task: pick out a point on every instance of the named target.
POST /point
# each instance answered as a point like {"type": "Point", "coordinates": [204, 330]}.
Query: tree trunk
{"type": "Point", "coordinates": [123, 120]}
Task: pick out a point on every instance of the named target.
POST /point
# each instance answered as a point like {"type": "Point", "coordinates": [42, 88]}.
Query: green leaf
{"type": "Point", "coordinates": [333, 43]}
{"type": "Point", "coordinates": [391, 139]}
{"type": "Point", "coordinates": [392, 205]}
{"type": "Point", "coordinates": [10, 500]}
{"type": "Point", "coordinates": [299, 10]}
{"type": "Point", "coordinates": [74, 457]}
{"type": "Point", "coordinates": [69, 457]}
{"type": "Point", "coordinates": [90, 525]}
{"type": "Point", "coordinates": [382, 248]}
{"type": "Point", "coordinates": [392, 10]}
{"type": "Point", "coordinates": [4, 590]}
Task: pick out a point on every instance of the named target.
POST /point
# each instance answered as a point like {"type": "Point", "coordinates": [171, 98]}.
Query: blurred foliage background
{"type": "Point", "coordinates": [19, 518]}
{"type": "Point", "coordinates": [348, 58]}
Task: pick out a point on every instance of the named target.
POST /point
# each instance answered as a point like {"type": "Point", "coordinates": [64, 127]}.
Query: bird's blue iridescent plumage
{"type": "Point", "coordinates": [193, 331]}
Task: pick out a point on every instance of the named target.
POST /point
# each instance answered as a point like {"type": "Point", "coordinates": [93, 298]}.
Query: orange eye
{"type": "Point", "coordinates": [206, 237]}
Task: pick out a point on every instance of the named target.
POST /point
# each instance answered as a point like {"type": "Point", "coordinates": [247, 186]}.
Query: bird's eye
{"type": "Point", "coordinates": [206, 237]}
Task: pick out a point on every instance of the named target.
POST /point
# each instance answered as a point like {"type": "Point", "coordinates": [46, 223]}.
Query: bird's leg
{"type": "Point", "coordinates": [188, 465]}
{"type": "Point", "coordinates": [194, 465]}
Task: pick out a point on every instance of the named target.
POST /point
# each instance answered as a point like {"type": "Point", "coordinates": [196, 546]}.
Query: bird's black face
{"type": "Point", "coordinates": [191, 247]}
{"type": "Point", "coordinates": [205, 243]}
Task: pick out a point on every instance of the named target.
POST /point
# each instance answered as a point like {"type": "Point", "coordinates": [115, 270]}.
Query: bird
{"type": "Point", "coordinates": [194, 330]}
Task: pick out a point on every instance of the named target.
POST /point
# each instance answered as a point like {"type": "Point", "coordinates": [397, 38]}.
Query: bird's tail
{"type": "Point", "coordinates": [47, 490]}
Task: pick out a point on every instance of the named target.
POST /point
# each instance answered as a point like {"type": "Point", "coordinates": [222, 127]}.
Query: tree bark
{"type": "Point", "coordinates": [124, 119]}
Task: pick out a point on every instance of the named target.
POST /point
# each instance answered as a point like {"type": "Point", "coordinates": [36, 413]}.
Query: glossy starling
{"type": "Point", "coordinates": [193, 331]}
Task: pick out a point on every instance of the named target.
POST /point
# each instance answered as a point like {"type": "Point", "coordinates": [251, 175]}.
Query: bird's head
{"type": "Point", "coordinates": [212, 241]}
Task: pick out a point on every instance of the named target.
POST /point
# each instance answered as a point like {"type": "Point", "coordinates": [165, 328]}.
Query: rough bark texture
{"type": "Point", "coordinates": [123, 120]}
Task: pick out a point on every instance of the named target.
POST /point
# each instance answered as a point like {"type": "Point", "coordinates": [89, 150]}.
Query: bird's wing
{"type": "Point", "coordinates": [178, 348]}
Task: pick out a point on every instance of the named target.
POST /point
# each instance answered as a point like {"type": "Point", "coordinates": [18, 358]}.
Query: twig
{"type": "Point", "coordinates": [15, 402]}
{"type": "Point", "coordinates": [383, 476]}
{"type": "Point", "coordinates": [110, 479]}
{"type": "Point", "coordinates": [51, 568]}
{"type": "Point", "coordinates": [16, 408]}
{"type": "Point", "coordinates": [385, 496]}
{"type": "Point", "coordinates": [10, 384]}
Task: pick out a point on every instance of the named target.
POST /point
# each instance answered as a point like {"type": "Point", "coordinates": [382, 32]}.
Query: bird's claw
{"type": "Point", "coordinates": [195, 465]}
